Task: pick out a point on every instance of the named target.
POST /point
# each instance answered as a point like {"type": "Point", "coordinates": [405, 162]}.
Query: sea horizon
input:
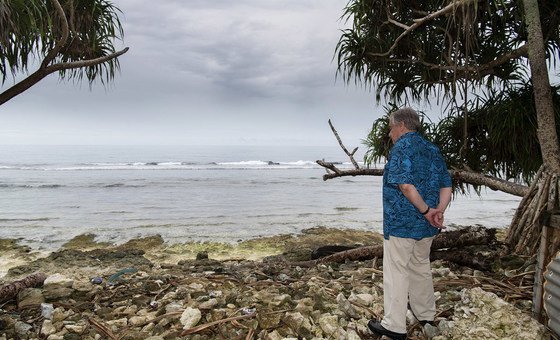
{"type": "Point", "coordinates": [52, 193]}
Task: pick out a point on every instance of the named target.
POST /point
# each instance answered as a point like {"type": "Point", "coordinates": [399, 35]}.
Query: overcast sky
{"type": "Point", "coordinates": [244, 72]}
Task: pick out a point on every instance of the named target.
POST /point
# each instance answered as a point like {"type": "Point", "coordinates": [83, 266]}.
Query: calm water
{"type": "Point", "coordinates": [49, 194]}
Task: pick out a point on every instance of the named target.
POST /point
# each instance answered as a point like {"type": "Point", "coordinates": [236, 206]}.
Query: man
{"type": "Point", "coordinates": [416, 192]}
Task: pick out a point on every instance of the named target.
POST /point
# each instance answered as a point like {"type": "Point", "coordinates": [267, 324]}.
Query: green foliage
{"type": "Point", "coordinates": [29, 29]}
{"type": "Point", "coordinates": [502, 139]}
{"type": "Point", "coordinates": [477, 50]}
{"type": "Point", "coordinates": [378, 141]}
{"type": "Point", "coordinates": [432, 57]}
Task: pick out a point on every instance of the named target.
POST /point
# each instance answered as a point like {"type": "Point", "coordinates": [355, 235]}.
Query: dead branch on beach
{"type": "Point", "coordinates": [461, 175]}
{"type": "Point", "coordinates": [451, 239]}
{"type": "Point", "coordinates": [11, 290]}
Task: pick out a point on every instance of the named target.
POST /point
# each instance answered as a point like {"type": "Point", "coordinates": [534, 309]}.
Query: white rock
{"type": "Point", "coordinates": [148, 328]}
{"type": "Point", "coordinates": [274, 335]}
{"type": "Point", "coordinates": [78, 329]}
{"type": "Point", "coordinates": [190, 317]}
{"type": "Point", "coordinates": [47, 310]}
{"type": "Point", "coordinates": [329, 324]}
{"type": "Point", "coordinates": [362, 299]}
{"type": "Point", "coordinates": [296, 321]}
{"type": "Point", "coordinates": [58, 280]}
{"type": "Point", "coordinates": [482, 314]}
{"type": "Point", "coordinates": [346, 306]}
{"type": "Point", "coordinates": [59, 314]}
{"type": "Point", "coordinates": [196, 286]}
{"type": "Point", "coordinates": [209, 304]}
{"type": "Point", "coordinates": [119, 323]}
{"type": "Point", "coordinates": [55, 337]}
{"type": "Point", "coordinates": [137, 320]}
{"type": "Point", "coordinates": [47, 328]}
{"type": "Point", "coordinates": [173, 307]}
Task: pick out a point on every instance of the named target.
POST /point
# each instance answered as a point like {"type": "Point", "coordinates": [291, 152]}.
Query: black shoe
{"type": "Point", "coordinates": [424, 322]}
{"type": "Point", "coordinates": [376, 327]}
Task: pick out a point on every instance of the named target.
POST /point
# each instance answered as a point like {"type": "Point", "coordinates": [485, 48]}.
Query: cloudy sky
{"type": "Point", "coordinates": [244, 72]}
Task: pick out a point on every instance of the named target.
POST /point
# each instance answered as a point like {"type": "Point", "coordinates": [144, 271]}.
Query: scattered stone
{"type": "Point", "coordinates": [47, 310]}
{"type": "Point", "coordinates": [47, 328]}
{"type": "Point", "coordinates": [190, 317]}
{"type": "Point", "coordinates": [22, 328]}
{"type": "Point", "coordinates": [278, 301]}
{"type": "Point", "coordinates": [30, 297]}
{"type": "Point", "coordinates": [329, 324]}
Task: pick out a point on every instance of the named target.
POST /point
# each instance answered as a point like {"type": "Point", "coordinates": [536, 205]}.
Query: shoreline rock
{"type": "Point", "coordinates": [182, 297]}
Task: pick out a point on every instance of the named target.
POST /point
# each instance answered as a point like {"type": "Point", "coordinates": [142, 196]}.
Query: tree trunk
{"type": "Point", "coordinates": [451, 239]}
{"type": "Point", "coordinates": [525, 228]}
{"type": "Point", "coordinates": [546, 130]}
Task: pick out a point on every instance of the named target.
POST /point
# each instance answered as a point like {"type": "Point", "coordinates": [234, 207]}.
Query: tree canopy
{"type": "Point", "coordinates": [466, 54]}
{"type": "Point", "coordinates": [72, 37]}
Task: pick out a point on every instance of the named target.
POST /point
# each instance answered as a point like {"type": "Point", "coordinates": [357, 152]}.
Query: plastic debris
{"type": "Point", "coordinates": [97, 280]}
{"type": "Point", "coordinates": [113, 279]}
{"type": "Point", "coordinates": [247, 311]}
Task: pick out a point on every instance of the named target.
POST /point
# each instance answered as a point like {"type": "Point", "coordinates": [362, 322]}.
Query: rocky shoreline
{"type": "Point", "coordinates": [146, 289]}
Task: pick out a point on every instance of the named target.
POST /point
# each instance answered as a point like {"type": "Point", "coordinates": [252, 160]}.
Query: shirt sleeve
{"type": "Point", "coordinates": [400, 166]}
{"type": "Point", "coordinates": [445, 179]}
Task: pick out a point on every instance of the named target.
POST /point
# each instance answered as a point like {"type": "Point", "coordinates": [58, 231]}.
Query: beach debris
{"type": "Point", "coordinates": [328, 301]}
{"type": "Point", "coordinates": [450, 239]}
{"type": "Point", "coordinates": [248, 311]}
{"type": "Point", "coordinates": [10, 290]}
{"type": "Point", "coordinates": [96, 280]}
{"type": "Point", "coordinates": [482, 314]}
{"type": "Point", "coordinates": [115, 278]}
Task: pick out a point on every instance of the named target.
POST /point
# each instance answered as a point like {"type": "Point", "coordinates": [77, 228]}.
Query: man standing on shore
{"type": "Point", "coordinates": [416, 192]}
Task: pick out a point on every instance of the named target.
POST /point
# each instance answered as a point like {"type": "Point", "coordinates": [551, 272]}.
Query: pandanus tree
{"type": "Point", "coordinates": [471, 57]}
{"type": "Point", "coordinates": [74, 38]}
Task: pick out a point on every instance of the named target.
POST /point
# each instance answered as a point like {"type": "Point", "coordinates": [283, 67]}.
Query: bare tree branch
{"type": "Point", "coordinates": [464, 176]}
{"type": "Point", "coordinates": [350, 154]}
{"type": "Point", "coordinates": [460, 175]}
{"type": "Point", "coordinates": [351, 172]}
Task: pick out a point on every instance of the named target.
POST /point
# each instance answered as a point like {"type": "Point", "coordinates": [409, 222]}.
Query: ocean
{"type": "Point", "coordinates": [49, 194]}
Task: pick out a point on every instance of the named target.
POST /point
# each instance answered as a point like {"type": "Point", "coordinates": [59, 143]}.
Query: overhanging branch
{"type": "Point", "coordinates": [42, 72]}
{"type": "Point", "coordinates": [464, 176]}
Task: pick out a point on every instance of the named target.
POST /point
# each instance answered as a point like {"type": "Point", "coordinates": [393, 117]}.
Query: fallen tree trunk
{"type": "Point", "coordinates": [11, 290]}
{"type": "Point", "coordinates": [451, 239]}
{"type": "Point", "coordinates": [463, 258]}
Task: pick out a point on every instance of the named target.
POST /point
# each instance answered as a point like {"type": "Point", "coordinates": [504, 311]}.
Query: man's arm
{"type": "Point", "coordinates": [444, 199]}
{"type": "Point", "coordinates": [434, 215]}
{"type": "Point", "coordinates": [409, 191]}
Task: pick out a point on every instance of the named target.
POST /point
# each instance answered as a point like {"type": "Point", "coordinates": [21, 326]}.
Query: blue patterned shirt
{"type": "Point", "coordinates": [412, 160]}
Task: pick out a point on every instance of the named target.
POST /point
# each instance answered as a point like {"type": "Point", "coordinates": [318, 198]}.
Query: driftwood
{"type": "Point", "coordinates": [451, 239]}
{"type": "Point", "coordinates": [463, 258]}
{"type": "Point", "coordinates": [11, 290]}
{"type": "Point", "coordinates": [462, 175]}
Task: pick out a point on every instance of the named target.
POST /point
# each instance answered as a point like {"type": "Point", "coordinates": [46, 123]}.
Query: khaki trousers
{"type": "Point", "coordinates": [407, 278]}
